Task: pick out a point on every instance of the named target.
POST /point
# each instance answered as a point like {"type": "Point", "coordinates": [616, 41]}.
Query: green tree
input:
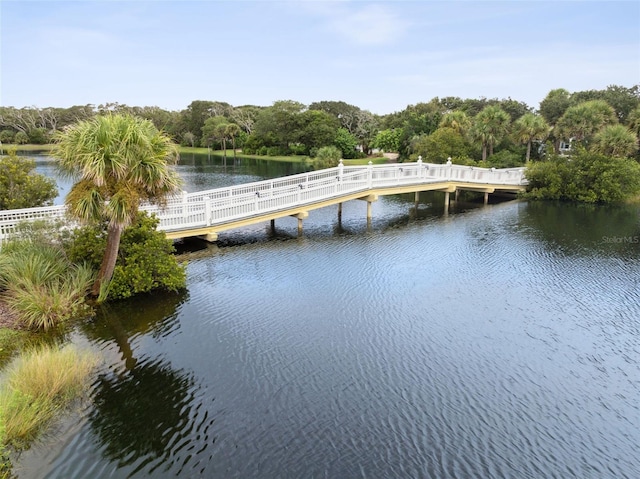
{"type": "Point", "coordinates": [615, 140]}
{"type": "Point", "coordinates": [119, 161]}
{"type": "Point", "coordinates": [7, 136]}
{"type": "Point", "coordinates": [584, 120]}
{"type": "Point", "coordinates": [21, 138]}
{"type": "Point", "coordinates": [20, 186]}
{"type": "Point", "coordinates": [213, 130]}
{"type": "Point", "coordinates": [346, 142]}
{"type": "Point", "coordinates": [317, 129]}
{"type": "Point", "coordinates": [588, 177]}
{"type": "Point", "coordinates": [529, 128]}
{"type": "Point", "coordinates": [443, 143]}
{"type": "Point", "coordinates": [489, 127]}
{"type": "Point", "coordinates": [457, 120]}
{"type": "Point", "coordinates": [389, 140]}
{"type": "Point", "coordinates": [554, 105]}
{"type": "Point", "coordinates": [232, 132]}
{"type": "Point", "coordinates": [633, 121]}
{"type": "Point", "coordinates": [279, 124]}
{"type": "Point", "coordinates": [145, 258]}
{"type": "Point", "coordinates": [327, 157]}
{"type": "Point", "coordinates": [189, 138]}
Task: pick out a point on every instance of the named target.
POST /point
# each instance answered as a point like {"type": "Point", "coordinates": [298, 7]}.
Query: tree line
{"type": "Point", "coordinates": [481, 131]}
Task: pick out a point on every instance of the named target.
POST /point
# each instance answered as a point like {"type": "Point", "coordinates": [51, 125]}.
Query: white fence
{"type": "Point", "coordinates": [222, 205]}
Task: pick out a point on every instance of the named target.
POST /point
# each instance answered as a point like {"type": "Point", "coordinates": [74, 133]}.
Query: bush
{"type": "Point", "coordinates": [145, 259]}
{"type": "Point", "coordinates": [20, 187]}
{"type": "Point", "coordinates": [41, 285]}
{"type": "Point", "coordinates": [39, 383]}
{"type": "Point", "coordinates": [586, 177]}
{"type": "Point", "coordinates": [327, 157]}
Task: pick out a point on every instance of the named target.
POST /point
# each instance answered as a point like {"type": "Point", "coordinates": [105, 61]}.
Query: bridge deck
{"type": "Point", "coordinates": [213, 211]}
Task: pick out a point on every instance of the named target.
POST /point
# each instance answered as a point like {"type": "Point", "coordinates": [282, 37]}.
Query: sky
{"type": "Point", "coordinates": [379, 56]}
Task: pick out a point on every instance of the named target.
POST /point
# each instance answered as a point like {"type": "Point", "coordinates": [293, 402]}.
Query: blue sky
{"type": "Point", "coordinates": [379, 56]}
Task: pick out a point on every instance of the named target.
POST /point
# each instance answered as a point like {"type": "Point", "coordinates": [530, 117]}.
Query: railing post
{"type": "Point", "coordinates": [370, 174]}
{"type": "Point", "coordinates": [185, 205]}
{"type": "Point", "coordinates": [449, 167]}
{"type": "Point", "coordinates": [207, 210]}
{"type": "Point", "coordinates": [340, 170]}
{"type": "Point", "coordinates": [420, 166]}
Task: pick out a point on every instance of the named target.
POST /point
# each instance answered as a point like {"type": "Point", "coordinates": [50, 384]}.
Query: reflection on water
{"type": "Point", "coordinates": [494, 342]}
{"type": "Point", "coordinates": [141, 416]}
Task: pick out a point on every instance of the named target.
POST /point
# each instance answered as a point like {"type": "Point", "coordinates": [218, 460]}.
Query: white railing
{"type": "Point", "coordinates": [221, 205]}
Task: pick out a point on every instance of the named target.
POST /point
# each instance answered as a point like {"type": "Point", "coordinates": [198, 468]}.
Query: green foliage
{"type": "Point", "coordinates": [615, 140]}
{"type": "Point", "coordinates": [587, 177]}
{"type": "Point", "coordinates": [326, 157]}
{"type": "Point", "coordinates": [20, 187]}
{"type": "Point", "coordinates": [389, 139]}
{"type": "Point", "coordinates": [145, 258]}
{"type": "Point", "coordinates": [443, 143]}
{"type": "Point", "coordinates": [347, 143]}
{"type": "Point", "coordinates": [41, 285]}
{"type": "Point", "coordinates": [7, 136]}
{"type": "Point", "coordinates": [39, 383]}
{"type": "Point", "coordinates": [21, 138]}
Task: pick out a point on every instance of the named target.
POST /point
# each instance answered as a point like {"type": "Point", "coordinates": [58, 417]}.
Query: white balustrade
{"type": "Point", "coordinates": [218, 206]}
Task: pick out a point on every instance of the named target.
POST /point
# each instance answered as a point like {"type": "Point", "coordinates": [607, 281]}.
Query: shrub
{"type": "Point", "coordinates": [41, 285]}
{"type": "Point", "coordinates": [327, 157]}
{"type": "Point", "coordinates": [587, 177]}
{"type": "Point", "coordinates": [40, 382]}
{"type": "Point", "coordinates": [20, 187]}
{"type": "Point", "coordinates": [145, 259]}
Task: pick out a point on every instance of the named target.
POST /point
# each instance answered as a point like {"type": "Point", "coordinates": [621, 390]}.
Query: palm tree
{"type": "Point", "coordinates": [118, 162]}
{"type": "Point", "coordinates": [530, 128]}
{"type": "Point", "coordinates": [456, 120]}
{"type": "Point", "coordinates": [489, 127]}
{"type": "Point", "coordinates": [615, 140]}
{"type": "Point", "coordinates": [585, 119]}
{"type": "Point", "coordinates": [232, 131]}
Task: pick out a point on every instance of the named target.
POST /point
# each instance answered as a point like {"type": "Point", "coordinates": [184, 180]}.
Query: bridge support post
{"type": "Point", "coordinates": [339, 212]}
{"type": "Point", "coordinates": [301, 216]}
{"type": "Point", "coordinates": [273, 226]}
{"type": "Point", "coordinates": [446, 202]}
{"type": "Point", "coordinates": [457, 195]}
{"type": "Point", "coordinates": [486, 197]}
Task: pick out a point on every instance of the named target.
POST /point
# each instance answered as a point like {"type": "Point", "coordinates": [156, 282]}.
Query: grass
{"type": "Point", "coordinates": [10, 341]}
{"type": "Point", "coordinates": [45, 147]}
{"type": "Point", "coordinates": [39, 384]}
{"type": "Point", "coordinates": [205, 151]}
{"type": "Point", "coordinates": [41, 285]}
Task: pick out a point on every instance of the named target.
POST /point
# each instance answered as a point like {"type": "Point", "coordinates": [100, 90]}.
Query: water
{"type": "Point", "coordinates": [493, 342]}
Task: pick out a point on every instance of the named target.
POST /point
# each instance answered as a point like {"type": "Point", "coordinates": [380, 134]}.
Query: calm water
{"type": "Point", "coordinates": [494, 342]}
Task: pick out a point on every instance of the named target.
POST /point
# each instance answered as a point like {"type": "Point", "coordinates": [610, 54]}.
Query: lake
{"type": "Point", "coordinates": [493, 342]}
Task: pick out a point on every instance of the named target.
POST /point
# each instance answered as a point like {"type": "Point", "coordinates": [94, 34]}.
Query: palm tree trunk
{"type": "Point", "coordinates": [484, 151]}
{"type": "Point", "coordinates": [528, 150]}
{"type": "Point", "coordinates": [114, 231]}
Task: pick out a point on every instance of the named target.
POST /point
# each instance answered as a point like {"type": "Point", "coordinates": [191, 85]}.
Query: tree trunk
{"type": "Point", "coordinates": [484, 151]}
{"type": "Point", "coordinates": [109, 260]}
{"type": "Point", "coordinates": [528, 151]}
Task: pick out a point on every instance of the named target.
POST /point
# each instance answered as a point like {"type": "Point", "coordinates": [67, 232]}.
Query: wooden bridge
{"type": "Point", "coordinates": [207, 213]}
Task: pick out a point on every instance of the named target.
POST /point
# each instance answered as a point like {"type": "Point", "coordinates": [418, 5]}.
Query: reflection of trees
{"type": "Point", "coordinates": [138, 416]}
{"type": "Point", "coordinates": [584, 227]}
{"type": "Point", "coordinates": [154, 314]}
